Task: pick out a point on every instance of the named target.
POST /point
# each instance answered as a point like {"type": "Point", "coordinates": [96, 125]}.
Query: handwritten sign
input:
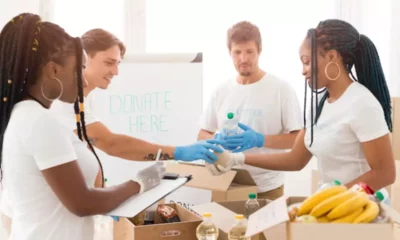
{"type": "Point", "coordinates": [143, 113]}
{"type": "Point", "coordinates": [271, 215]}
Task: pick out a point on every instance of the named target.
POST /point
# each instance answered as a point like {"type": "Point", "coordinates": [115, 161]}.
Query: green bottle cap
{"type": "Point", "coordinates": [379, 196]}
{"type": "Point", "coordinates": [336, 182]}
{"type": "Point", "coordinates": [230, 115]}
{"type": "Point", "coordinates": [252, 195]}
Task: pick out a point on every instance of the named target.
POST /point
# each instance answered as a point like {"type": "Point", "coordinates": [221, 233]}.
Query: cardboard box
{"type": "Point", "coordinates": [273, 221]}
{"type": "Point", "coordinates": [184, 230]}
{"type": "Point", "coordinates": [233, 185]}
{"type": "Point", "coordinates": [396, 127]}
{"type": "Point", "coordinates": [223, 214]}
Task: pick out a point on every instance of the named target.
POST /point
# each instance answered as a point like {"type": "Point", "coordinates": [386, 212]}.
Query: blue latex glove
{"type": "Point", "coordinates": [220, 137]}
{"type": "Point", "coordinates": [196, 151]}
{"type": "Point", "coordinates": [115, 218]}
{"type": "Point", "coordinates": [245, 140]}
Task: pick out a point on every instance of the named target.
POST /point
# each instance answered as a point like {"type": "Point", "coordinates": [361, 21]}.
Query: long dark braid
{"type": "Point", "coordinates": [26, 44]}
{"type": "Point", "coordinates": [356, 50]}
{"type": "Point", "coordinates": [79, 105]}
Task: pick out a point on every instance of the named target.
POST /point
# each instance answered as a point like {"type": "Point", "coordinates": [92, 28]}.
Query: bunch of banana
{"type": "Point", "coordinates": [339, 205]}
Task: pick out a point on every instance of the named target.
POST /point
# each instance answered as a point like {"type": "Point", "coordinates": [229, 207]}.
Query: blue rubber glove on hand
{"type": "Point", "coordinates": [197, 151]}
{"type": "Point", "coordinates": [220, 137]}
{"type": "Point", "coordinates": [245, 140]}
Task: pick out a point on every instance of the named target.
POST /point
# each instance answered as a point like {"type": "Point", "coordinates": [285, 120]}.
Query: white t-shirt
{"type": "Point", "coordinates": [269, 106]}
{"type": "Point", "coordinates": [65, 113]}
{"type": "Point", "coordinates": [34, 140]}
{"type": "Point", "coordinates": [355, 117]}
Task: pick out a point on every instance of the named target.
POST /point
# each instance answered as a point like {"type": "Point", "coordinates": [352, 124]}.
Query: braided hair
{"type": "Point", "coordinates": [26, 45]}
{"type": "Point", "coordinates": [356, 50]}
{"type": "Point", "coordinates": [79, 106]}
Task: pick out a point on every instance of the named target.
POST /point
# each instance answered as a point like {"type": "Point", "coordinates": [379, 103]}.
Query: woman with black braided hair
{"type": "Point", "coordinates": [48, 172]}
{"type": "Point", "coordinates": [348, 129]}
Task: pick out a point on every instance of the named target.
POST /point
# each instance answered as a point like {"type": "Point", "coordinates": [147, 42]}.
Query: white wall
{"type": "Point", "coordinates": [11, 8]}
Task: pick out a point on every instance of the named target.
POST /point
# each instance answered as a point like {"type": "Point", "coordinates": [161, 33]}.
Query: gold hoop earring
{"type": "Point", "coordinates": [59, 95]}
{"type": "Point", "coordinates": [326, 71]}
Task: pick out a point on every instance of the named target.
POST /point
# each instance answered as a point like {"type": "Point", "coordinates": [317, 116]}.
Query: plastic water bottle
{"type": "Point", "coordinates": [207, 230]}
{"type": "Point", "coordinates": [231, 124]}
{"type": "Point", "coordinates": [238, 231]}
{"type": "Point", "coordinates": [383, 196]}
{"type": "Point", "coordinates": [328, 185]}
{"type": "Point", "coordinates": [251, 205]}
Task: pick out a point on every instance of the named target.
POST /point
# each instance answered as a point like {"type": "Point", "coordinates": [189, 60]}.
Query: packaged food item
{"type": "Point", "coordinates": [362, 187]}
{"type": "Point", "coordinates": [168, 214]}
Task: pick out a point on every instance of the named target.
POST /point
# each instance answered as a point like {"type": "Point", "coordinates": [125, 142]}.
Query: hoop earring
{"type": "Point", "coordinates": [59, 95]}
{"type": "Point", "coordinates": [326, 71]}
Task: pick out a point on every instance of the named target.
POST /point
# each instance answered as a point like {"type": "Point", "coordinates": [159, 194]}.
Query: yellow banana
{"type": "Point", "coordinates": [312, 201]}
{"type": "Point", "coordinates": [358, 201]}
{"type": "Point", "coordinates": [370, 213]}
{"type": "Point", "coordinates": [350, 217]}
{"type": "Point", "coordinates": [323, 219]}
{"type": "Point", "coordinates": [330, 203]}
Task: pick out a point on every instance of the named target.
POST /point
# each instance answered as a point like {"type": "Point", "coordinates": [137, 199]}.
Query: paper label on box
{"type": "Point", "coordinates": [271, 215]}
{"type": "Point", "coordinates": [188, 197]}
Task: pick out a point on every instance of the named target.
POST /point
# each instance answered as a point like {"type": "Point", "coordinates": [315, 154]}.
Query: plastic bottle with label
{"type": "Point", "coordinates": [251, 206]}
{"type": "Point", "coordinates": [207, 230]}
{"type": "Point", "coordinates": [381, 196]}
{"type": "Point", "coordinates": [331, 184]}
{"type": "Point", "coordinates": [238, 231]}
{"type": "Point", "coordinates": [231, 124]}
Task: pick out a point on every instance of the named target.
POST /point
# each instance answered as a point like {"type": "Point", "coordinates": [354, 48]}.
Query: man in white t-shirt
{"type": "Point", "coordinates": [267, 105]}
{"type": "Point", "coordinates": [105, 52]}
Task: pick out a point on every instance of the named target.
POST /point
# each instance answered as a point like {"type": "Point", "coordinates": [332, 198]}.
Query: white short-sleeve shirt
{"type": "Point", "coordinates": [64, 112]}
{"type": "Point", "coordinates": [269, 106]}
{"type": "Point", "coordinates": [342, 127]}
{"type": "Point", "coordinates": [34, 141]}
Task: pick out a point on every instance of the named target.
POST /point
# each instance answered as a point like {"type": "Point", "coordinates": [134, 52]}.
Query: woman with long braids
{"type": "Point", "coordinates": [348, 128]}
{"type": "Point", "coordinates": [47, 170]}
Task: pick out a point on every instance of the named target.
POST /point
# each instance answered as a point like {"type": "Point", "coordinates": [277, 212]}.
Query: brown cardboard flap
{"type": "Point", "coordinates": [222, 217]}
{"type": "Point", "coordinates": [243, 177]}
{"type": "Point", "coordinates": [201, 177]}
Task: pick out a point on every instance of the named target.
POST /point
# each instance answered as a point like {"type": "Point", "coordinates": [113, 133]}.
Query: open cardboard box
{"type": "Point", "coordinates": [233, 185]}
{"type": "Point", "coordinates": [223, 214]}
{"type": "Point", "coordinates": [273, 221]}
{"type": "Point", "coordinates": [396, 127]}
{"type": "Point", "coordinates": [183, 230]}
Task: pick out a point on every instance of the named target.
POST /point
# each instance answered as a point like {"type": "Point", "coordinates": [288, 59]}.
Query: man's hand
{"type": "Point", "coordinates": [201, 150]}
{"type": "Point", "coordinates": [243, 141]}
{"type": "Point", "coordinates": [221, 137]}
{"type": "Point", "coordinates": [150, 177]}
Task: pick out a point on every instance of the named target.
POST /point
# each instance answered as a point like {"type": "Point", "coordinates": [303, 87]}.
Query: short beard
{"type": "Point", "coordinates": [245, 74]}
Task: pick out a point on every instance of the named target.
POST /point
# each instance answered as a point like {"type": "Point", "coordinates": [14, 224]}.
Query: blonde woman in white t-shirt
{"type": "Point", "coordinates": [348, 131]}
{"type": "Point", "coordinates": [49, 172]}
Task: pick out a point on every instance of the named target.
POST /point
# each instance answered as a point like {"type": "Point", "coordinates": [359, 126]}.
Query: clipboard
{"type": "Point", "coordinates": [137, 203]}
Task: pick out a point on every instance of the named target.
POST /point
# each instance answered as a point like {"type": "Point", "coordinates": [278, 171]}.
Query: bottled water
{"type": "Point", "coordinates": [251, 205]}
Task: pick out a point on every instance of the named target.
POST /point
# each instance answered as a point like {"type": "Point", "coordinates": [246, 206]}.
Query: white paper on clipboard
{"type": "Point", "coordinates": [138, 203]}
